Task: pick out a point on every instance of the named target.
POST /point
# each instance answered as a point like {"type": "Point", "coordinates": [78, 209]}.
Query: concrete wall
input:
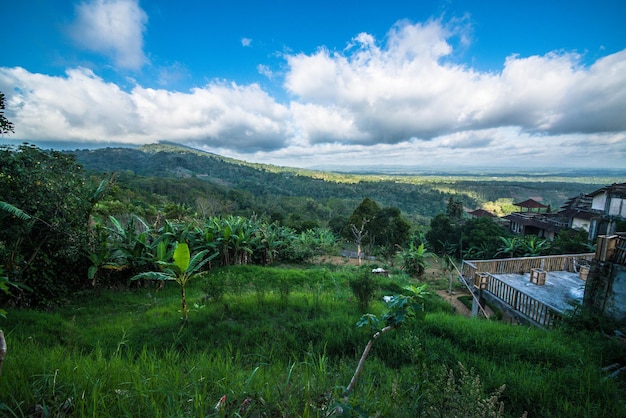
{"type": "Point", "coordinates": [605, 290]}
{"type": "Point", "coordinates": [578, 223]}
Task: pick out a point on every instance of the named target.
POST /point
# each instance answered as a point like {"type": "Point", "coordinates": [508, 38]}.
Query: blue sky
{"type": "Point", "coordinates": [420, 83]}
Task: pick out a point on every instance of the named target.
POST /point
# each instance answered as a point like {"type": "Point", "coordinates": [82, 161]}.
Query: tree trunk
{"type": "Point", "coordinates": [3, 349]}
{"type": "Point", "coordinates": [366, 352]}
{"type": "Point", "coordinates": [184, 298]}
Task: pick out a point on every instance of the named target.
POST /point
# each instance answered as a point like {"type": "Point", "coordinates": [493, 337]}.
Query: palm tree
{"type": "Point", "coordinates": [181, 270]}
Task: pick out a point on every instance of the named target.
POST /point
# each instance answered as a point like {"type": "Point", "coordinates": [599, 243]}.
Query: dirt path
{"type": "Point", "coordinates": [453, 300]}
{"type": "Point", "coordinates": [459, 306]}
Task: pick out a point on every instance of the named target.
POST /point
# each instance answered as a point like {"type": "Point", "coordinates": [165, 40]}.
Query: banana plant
{"type": "Point", "coordinates": [510, 247]}
{"type": "Point", "coordinates": [131, 244]}
{"type": "Point", "coordinates": [182, 269]}
{"type": "Point", "coordinates": [534, 246]}
{"type": "Point", "coordinates": [414, 259]}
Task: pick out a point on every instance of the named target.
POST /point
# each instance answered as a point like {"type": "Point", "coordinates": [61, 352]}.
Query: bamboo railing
{"type": "Point", "coordinates": [529, 307]}
{"type": "Point", "coordinates": [619, 257]}
{"type": "Point", "coordinates": [566, 262]}
{"type": "Point", "coordinates": [534, 310]}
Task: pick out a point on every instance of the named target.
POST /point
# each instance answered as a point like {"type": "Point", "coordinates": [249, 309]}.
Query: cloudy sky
{"type": "Point", "coordinates": [427, 83]}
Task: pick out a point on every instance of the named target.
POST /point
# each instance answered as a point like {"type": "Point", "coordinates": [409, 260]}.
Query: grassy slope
{"type": "Point", "coordinates": [285, 353]}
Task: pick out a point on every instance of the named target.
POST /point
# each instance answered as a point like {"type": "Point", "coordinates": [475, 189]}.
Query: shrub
{"type": "Point", "coordinates": [214, 285]}
{"type": "Point", "coordinates": [462, 396]}
{"type": "Point", "coordinates": [364, 288]}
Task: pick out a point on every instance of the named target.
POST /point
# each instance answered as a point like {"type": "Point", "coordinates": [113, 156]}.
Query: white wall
{"type": "Point", "coordinates": [617, 207]}
{"type": "Point", "coordinates": [598, 201]}
{"type": "Point", "coordinates": [578, 223]}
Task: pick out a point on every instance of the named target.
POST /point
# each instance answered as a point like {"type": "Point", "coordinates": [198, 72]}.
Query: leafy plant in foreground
{"type": "Point", "coordinates": [182, 270]}
{"type": "Point", "coordinates": [400, 309]}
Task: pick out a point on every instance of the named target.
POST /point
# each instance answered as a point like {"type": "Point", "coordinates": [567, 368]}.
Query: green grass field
{"type": "Point", "coordinates": [283, 342]}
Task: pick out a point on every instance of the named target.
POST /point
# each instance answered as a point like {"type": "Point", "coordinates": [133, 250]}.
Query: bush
{"type": "Point", "coordinates": [364, 288]}
{"type": "Point", "coordinates": [214, 285]}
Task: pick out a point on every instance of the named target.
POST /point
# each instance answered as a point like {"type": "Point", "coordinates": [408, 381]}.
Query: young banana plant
{"type": "Point", "coordinates": [183, 269]}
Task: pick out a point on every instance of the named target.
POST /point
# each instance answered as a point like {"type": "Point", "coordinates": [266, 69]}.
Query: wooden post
{"type": "Point", "coordinates": [3, 349]}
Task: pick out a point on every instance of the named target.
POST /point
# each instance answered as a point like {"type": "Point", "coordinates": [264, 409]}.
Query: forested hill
{"type": "Point", "coordinates": [267, 184]}
{"type": "Point", "coordinates": [186, 173]}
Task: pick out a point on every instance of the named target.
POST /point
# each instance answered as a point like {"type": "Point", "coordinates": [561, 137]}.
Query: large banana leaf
{"type": "Point", "coordinates": [182, 256]}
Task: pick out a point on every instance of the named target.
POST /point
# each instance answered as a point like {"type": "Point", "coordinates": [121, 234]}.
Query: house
{"type": "Point", "coordinates": [609, 206]}
{"type": "Point", "coordinates": [534, 219]}
{"type": "Point", "coordinates": [577, 212]}
{"type": "Point", "coordinates": [482, 213]}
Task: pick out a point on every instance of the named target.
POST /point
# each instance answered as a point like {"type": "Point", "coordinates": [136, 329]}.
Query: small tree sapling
{"type": "Point", "coordinates": [400, 308]}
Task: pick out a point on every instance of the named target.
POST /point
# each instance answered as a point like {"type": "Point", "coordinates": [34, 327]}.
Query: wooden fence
{"type": "Point", "coordinates": [620, 251]}
{"type": "Point", "coordinates": [531, 308]}
{"type": "Point", "coordinates": [566, 262]}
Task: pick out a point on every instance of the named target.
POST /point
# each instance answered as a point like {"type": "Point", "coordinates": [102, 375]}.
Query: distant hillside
{"type": "Point", "coordinates": [420, 197]}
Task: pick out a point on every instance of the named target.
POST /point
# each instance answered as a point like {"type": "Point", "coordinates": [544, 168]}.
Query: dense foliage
{"type": "Point", "coordinates": [6, 126]}
{"type": "Point", "coordinates": [150, 175]}
{"type": "Point", "coordinates": [46, 251]}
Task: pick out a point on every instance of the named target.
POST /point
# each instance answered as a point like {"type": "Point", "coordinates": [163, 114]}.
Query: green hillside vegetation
{"type": "Point", "coordinates": [243, 188]}
{"type": "Point", "coordinates": [283, 342]}
{"type": "Point", "coordinates": [260, 319]}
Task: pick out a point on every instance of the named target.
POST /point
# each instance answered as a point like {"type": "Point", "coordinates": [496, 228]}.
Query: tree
{"type": "Point", "coordinates": [359, 236]}
{"type": "Point", "coordinates": [390, 231]}
{"type": "Point", "coordinates": [367, 210]}
{"type": "Point", "coordinates": [571, 241]}
{"type": "Point", "coordinates": [386, 228]}
{"type": "Point", "coordinates": [442, 235]}
{"type": "Point", "coordinates": [6, 126]}
{"type": "Point", "coordinates": [481, 237]}
{"type": "Point", "coordinates": [454, 210]}
{"type": "Point", "coordinates": [400, 308]}
{"type": "Point", "coordinates": [44, 252]}
{"type": "Point", "coordinates": [183, 269]}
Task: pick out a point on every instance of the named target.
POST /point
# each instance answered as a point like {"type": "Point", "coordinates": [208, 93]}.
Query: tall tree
{"type": "Point", "coordinates": [482, 237]}
{"type": "Point", "coordinates": [6, 126]}
{"type": "Point", "coordinates": [44, 252]}
{"type": "Point", "coordinates": [367, 209]}
{"type": "Point", "coordinates": [390, 231]}
{"type": "Point", "coordinates": [454, 210]}
{"type": "Point", "coordinates": [359, 235]}
{"type": "Point", "coordinates": [443, 236]}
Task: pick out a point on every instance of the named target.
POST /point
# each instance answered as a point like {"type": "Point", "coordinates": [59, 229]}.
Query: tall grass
{"type": "Point", "coordinates": [277, 352]}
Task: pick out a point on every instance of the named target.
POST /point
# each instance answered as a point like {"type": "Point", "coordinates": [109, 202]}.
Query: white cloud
{"type": "Point", "coordinates": [246, 42]}
{"type": "Point", "coordinates": [407, 88]}
{"type": "Point", "coordinates": [265, 70]}
{"type": "Point", "coordinates": [83, 107]}
{"type": "Point", "coordinates": [402, 100]}
{"type": "Point", "coordinates": [113, 28]}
